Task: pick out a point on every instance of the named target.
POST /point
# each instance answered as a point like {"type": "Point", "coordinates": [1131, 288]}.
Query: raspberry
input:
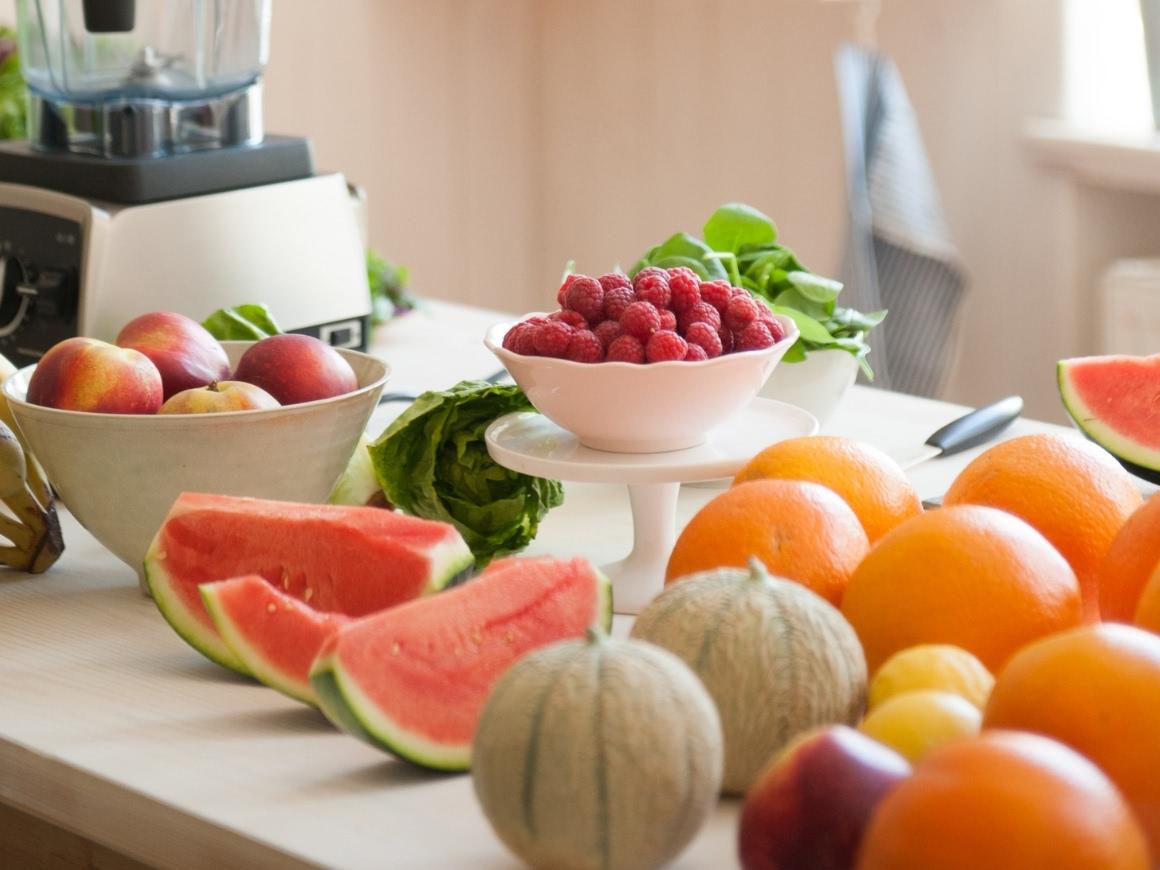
{"type": "Point", "coordinates": [551, 338]}
{"type": "Point", "coordinates": [753, 337]}
{"type": "Point", "coordinates": [649, 270]}
{"type": "Point", "coordinates": [509, 337]}
{"type": "Point", "coordinates": [682, 271]}
{"type": "Point", "coordinates": [776, 330]}
{"type": "Point", "coordinates": [573, 318]}
{"type": "Point", "coordinates": [616, 300]}
{"type": "Point", "coordinates": [653, 289]}
{"type": "Point", "coordinates": [741, 311]}
{"type": "Point", "coordinates": [716, 293]}
{"type": "Point", "coordinates": [584, 347]}
{"type": "Point", "coordinates": [704, 336]}
{"type": "Point", "coordinates": [726, 339]}
{"type": "Point", "coordinates": [668, 320]}
{"type": "Point", "coordinates": [640, 319]}
{"type": "Point", "coordinates": [564, 288]}
{"type": "Point", "coordinates": [739, 291]}
{"type": "Point", "coordinates": [608, 331]}
{"type": "Point", "coordinates": [702, 312]}
{"type": "Point", "coordinates": [586, 296]}
{"type": "Point", "coordinates": [683, 289]}
{"type": "Point", "coordinates": [614, 279]}
{"type": "Point", "coordinates": [695, 353]}
{"type": "Point", "coordinates": [664, 346]}
{"type": "Point", "coordinates": [627, 348]}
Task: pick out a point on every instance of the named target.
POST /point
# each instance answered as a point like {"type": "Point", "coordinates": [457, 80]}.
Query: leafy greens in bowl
{"type": "Point", "coordinates": [740, 245]}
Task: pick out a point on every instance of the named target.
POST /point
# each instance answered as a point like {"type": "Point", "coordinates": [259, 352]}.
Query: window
{"type": "Point", "coordinates": [1105, 84]}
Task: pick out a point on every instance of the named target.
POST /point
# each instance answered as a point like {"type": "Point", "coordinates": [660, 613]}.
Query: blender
{"type": "Point", "coordinates": [148, 182]}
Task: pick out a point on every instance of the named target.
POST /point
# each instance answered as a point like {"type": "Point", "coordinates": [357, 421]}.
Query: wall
{"type": "Point", "coordinates": [500, 138]}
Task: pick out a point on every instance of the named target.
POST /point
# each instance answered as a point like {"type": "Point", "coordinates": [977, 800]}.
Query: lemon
{"type": "Point", "coordinates": [914, 723]}
{"type": "Point", "coordinates": [932, 666]}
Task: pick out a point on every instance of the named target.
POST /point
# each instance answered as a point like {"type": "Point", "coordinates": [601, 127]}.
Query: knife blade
{"type": "Point", "coordinates": [968, 431]}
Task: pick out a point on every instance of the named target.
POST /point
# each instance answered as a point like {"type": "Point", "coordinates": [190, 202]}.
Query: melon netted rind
{"type": "Point", "coordinates": [1137, 458]}
{"type": "Point", "coordinates": [194, 633]}
{"type": "Point", "coordinates": [598, 754]}
{"type": "Point", "coordinates": [777, 659]}
{"type": "Point", "coordinates": [346, 705]}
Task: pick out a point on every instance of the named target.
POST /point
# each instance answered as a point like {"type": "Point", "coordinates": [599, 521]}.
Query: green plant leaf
{"type": "Point", "coordinates": [791, 297]}
{"type": "Point", "coordinates": [811, 331]}
{"type": "Point", "coordinates": [815, 287]}
{"type": "Point", "coordinates": [735, 224]}
{"type": "Point", "coordinates": [247, 322]}
{"type": "Point", "coordinates": [432, 462]}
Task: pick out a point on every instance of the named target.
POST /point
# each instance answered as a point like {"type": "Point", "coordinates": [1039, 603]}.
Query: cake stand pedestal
{"type": "Point", "coordinates": [530, 443]}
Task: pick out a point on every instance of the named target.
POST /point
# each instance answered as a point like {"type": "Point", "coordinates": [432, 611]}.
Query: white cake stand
{"type": "Point", "coordinates": [530, 443]}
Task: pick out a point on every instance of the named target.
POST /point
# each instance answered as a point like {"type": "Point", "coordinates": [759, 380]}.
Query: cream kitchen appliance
{"type": "Point", "coordinates": [148, 184]}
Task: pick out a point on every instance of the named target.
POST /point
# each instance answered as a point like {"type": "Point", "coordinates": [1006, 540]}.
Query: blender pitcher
{"type": "Point", "coordinates": [143, 78]}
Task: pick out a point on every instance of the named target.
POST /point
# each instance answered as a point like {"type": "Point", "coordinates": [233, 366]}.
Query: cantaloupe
{"type": "Point", "coordinates": [602, 754]}
{"type": "Point", "coordinates": [776, 658]}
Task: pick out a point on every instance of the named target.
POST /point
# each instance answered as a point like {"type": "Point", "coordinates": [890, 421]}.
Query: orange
{"type": "Point", "coordinates": [1072, 491]}
{"type": "Point", "coordinates": [970, 576]}
{"type": "Point", "coordinates": [1148, 609]}
{"type": "Point", "coordinates": [1097, 689]}
{"type": "Point", "coordinates": [1131, 558]}
{"type": "Point", "coordinates": [800, 531]}
{"type": "Point", "coordinates": [867, 479]}
{"type": "Point", "coordinates": [1004, 799]}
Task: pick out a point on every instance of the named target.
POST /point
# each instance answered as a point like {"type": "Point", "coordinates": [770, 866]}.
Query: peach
{"type": "Point", "coordinates": [182, 349]}
{"type": "Point", "coordinates": [219, 396]}
{"type": "Point", "coordinates": [84, 374]}
{"type": "Point", "coordinates": [296, 368]}
{"type": "Point", "coordinates": [811, 806]}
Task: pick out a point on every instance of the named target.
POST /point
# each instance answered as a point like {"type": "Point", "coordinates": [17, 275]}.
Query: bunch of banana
{"type": "Point", "coordinates": [33, 526]}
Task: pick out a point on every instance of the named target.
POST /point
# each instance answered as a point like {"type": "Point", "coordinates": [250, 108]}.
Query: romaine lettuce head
{"type": "Point", "coordinates": [432, 462]}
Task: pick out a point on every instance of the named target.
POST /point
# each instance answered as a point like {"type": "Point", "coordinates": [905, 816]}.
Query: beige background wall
{"type": "Point", "coordinates": [500, 138]}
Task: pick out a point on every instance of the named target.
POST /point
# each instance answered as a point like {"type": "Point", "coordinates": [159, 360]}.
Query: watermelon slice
{"type": "Point", "coordinates": [413, 680]}
{"type": "Point", "coordinates": [274, 635]}
{"type": "Point", "coordinates": [337, 559]}
{"type": "Point", "coordinates": [1115, 401]}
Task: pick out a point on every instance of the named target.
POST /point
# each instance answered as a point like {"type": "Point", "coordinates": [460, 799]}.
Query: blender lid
{"type": "Point", "coordinates": [110, 16]}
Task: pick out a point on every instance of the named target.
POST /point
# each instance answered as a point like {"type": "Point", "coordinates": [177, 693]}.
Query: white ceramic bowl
{"type": "Point", "coordinates": [652, 408]}
{"type": "Point", "coordinates": [816, 384]}
{"type": "Point", "coordinates": [118, 474]}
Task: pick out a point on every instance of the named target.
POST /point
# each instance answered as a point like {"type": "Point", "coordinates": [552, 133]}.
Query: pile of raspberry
{"type": "Point", "coordinates": [660, 315]}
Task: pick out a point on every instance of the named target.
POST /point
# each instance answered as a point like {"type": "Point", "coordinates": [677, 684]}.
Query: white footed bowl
{"type": "Point", "coordinates": [118, 474]}
{"type": "Point", "coordinates": [650, 408]}
{"type": "Point", "coordinates": [816, 384]}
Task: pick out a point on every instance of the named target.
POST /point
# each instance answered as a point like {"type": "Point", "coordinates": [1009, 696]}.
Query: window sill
{"type": "Point", "coordinates": [1119, 161]}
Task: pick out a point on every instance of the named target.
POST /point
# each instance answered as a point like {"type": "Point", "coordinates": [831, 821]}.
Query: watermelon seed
{"type": "Point", "coordinates": [271, 607]}
{"type": "Point", "coordinates": [285, 579]}
{"type": "Point", "coordinates": [395, 648]}
{"type": "Point", "coordinates": [308, 594]}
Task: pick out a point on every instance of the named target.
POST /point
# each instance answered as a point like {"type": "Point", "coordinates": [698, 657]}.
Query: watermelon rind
{"type": "Point", "coordinates": [251, 658]}
{"type": "Point", "coordinates": [345, 704]}
{"type": "Point", "coordinates": [450, 562]}
{"type": "Point", "coordinates": [1137, 458]}
{"type": "Point", "coordinates": [191, 631]}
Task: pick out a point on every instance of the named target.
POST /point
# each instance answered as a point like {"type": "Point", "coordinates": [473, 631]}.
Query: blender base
{"type": "Point", "coordinates": [149, 179]}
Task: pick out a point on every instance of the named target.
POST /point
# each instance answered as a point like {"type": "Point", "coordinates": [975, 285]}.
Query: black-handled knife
{"type": "Point", "coordinates": [385, 398]}
{"type": "Point", "coordinates": [970, 430]}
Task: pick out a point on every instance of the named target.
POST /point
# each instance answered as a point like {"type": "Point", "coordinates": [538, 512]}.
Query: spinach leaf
{"type": "Point", "coordinates": [735, 224]}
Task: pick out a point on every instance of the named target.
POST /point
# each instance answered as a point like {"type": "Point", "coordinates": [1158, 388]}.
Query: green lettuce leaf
{"type": "Point", "coordinates": [432, 462]}
{"type": "Point", "coordinates": [248, 322]}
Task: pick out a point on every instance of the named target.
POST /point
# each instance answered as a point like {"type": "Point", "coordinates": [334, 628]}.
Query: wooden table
{"type": "Point", "coordinates": [133, 748]}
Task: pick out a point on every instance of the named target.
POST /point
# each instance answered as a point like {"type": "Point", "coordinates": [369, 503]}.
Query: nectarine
{"type": "Point", "coordinates": [184, 352]}
{"type": "Point", "coordinates": [85, 374]}
{"type": "Point", "coordinates": [296, 368]}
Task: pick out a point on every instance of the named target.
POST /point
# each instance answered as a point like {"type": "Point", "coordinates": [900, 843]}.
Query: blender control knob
{"type": "Point", "coordinates": [55, 294]}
